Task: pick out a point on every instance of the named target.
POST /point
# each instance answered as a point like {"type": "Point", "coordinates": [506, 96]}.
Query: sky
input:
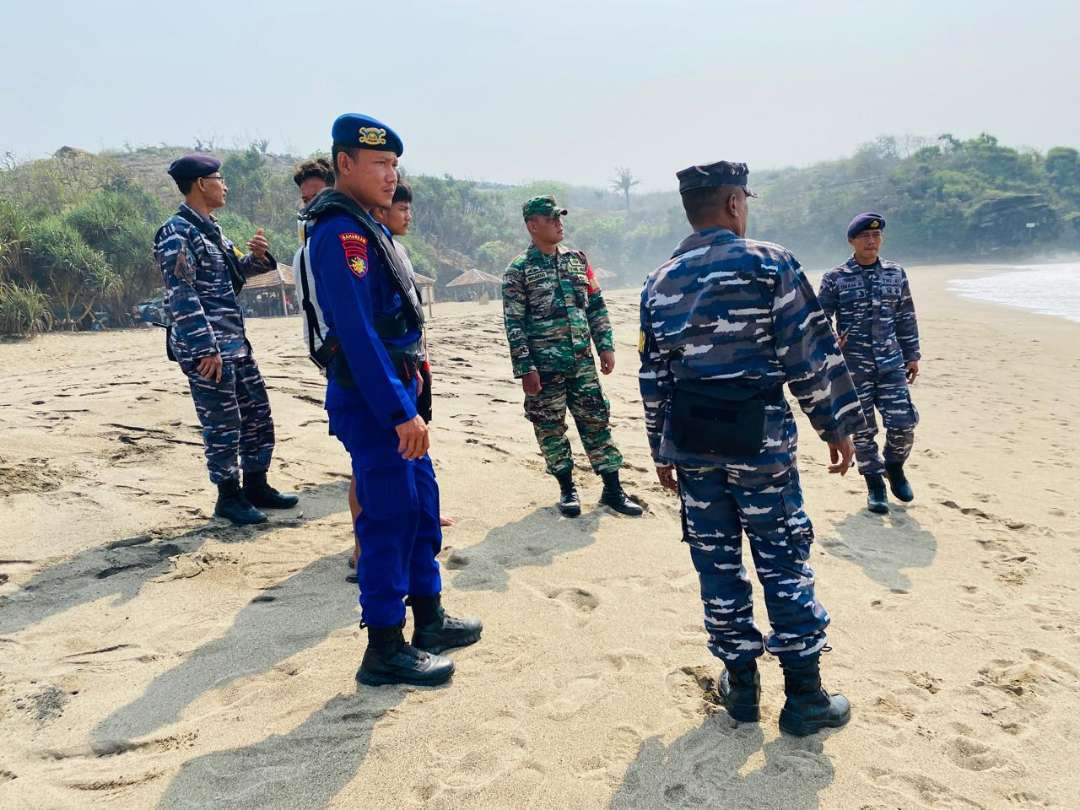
{"type": "Point", "coordinates": [568, 91]}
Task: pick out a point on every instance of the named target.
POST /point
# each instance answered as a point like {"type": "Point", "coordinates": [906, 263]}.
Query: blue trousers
{"type": "Point", "coordinates": [398, 526]}
{"type": "Point", "coordinates": [718, 505]}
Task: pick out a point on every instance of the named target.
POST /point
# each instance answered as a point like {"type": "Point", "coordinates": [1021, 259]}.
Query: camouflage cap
{"type": "Point", "coordinates": [713, 175]}
{"type": "Point", "coordinates": [544, 206]}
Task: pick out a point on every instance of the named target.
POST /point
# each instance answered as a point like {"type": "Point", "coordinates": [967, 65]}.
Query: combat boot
{"type": "Point", "coordinates": [809, 708]}
{"type": "Point", "coordinates": [898, 482]}
{"type": "Point", "coordinates": [435, 632]}
{"type": "Point", "coordinates": [388, 659]}
{"type": "Point", "coordinates": [233, 506]}
{"type": "Point", "coordinates": [261, 494]}
{"type": "Point", "coordinates": [615, 496]}
{"type": "Point", "coordinates": [876, 500]}
{"type": "Point", "coordinates": [740, 691]}
{"type": "Point", "coordinates": [569, 503]}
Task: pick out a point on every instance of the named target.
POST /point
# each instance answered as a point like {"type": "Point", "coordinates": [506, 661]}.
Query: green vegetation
{"type": "Point", "coordinates": [76, 229]}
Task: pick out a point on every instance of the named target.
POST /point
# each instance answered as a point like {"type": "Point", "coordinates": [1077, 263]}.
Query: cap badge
{"type": "Point", "coordinates": [372, 136]}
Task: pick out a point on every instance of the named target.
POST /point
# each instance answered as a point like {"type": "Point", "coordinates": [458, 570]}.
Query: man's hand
{"type": "Point", "coordinates": [413, 439]}
{"type": "Point", "coordinates": [665, 474]}
{"type": "Point", "coordinates": [840, 454]}
{"type": "Point", "coordinates": [530, 383]}
{"type": "Point", "coordinates": [209, 368]}
{"type": "Point", "coordinates": [912, 367]}
{"type": "Point", "coordinates": [258, 245]}
{"type": "Point", "coordinates": [607, 362]}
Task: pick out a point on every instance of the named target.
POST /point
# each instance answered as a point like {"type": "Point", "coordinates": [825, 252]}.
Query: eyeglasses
{"type": "Point", "coordinates": [213, 177]}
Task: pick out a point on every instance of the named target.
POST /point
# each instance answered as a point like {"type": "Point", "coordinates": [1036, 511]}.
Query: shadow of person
{"type": "Point", "coordinates": [122, 567]}
{"type": "Point", "coordinates": [536, 539]}
{"type": "Point", "coordinates": [305, 768]}
{"type": "Point", "coordinates": [293, 615]}
{"type": "Point", "coordinates": [883, 545]}
{"type": "Point", "coordinates": [714, 766]}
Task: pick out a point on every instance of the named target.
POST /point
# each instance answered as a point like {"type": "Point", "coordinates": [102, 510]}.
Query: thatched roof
{"type": "Point", "coordinates": [472, 277]}
{"type": "Point", "coordinates": [272, 279]}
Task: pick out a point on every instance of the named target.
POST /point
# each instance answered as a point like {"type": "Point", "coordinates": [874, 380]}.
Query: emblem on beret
{"type": "Point", "coordinates": [875, 224]}
{"type": "Point", "coordinates": [372, 136]}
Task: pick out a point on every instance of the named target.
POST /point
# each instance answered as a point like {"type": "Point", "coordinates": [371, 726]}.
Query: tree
{"type": "Point", "coordinates": [74, 275]}
{"type": "Point", "coordinates": [623, 182]}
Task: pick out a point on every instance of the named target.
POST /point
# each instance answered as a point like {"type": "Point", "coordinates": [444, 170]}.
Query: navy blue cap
{"type": "Point", "coordinates": [714, 175]}
{"type": "Point", "coordinates": [865, 222]}
{"type": "Point", "coordinates": [364, 132]}
{"type": "Point", "coordinates": [192, 167]}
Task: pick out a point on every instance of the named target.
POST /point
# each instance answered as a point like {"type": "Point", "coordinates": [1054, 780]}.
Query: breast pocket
{"type": "Point", "coordinates": [541, 295]}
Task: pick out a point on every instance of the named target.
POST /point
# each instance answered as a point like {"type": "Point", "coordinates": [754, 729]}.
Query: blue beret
{"type": "Point", "coordinates": [865, 222]}
{"type": "Point", "coordinates": [713, 175]}
{"type": "Point", "coordinates": [192, 167]}
{"type": "Point", "coordinates": [365, 132]}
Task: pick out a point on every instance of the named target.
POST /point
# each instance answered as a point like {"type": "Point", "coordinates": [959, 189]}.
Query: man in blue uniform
{"type": "Point", "coordinates": [373, 329]}
{"type": "Point", "coordinates": [875, 318]}
{"type": "Point", "coordinates": [725, 323]}
{"type": "Point", "coordinates": [203, 272]}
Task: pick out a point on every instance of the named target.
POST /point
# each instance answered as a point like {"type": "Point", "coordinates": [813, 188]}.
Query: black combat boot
{"type": "Point", "coordinates": [261, 494]}
{"type": "Point", "coordinates": [740, 691]}
{"type": "Point", "coordinates": [434, 631]}
{"type": "Point", "coordinates": [898, 482]}
{"type": "Point", "coordinates": [615, 497]}
{"type": "Point", "coordinates": [809, 708]}
{"type": "Point", "coordinates": [233, 506]}
{"type": "Point", "coordinates": [569, 504]}
{"type": "Point", "coordinates": [876, 500]}
{"type": "Point", "coordinates": [388, 659]}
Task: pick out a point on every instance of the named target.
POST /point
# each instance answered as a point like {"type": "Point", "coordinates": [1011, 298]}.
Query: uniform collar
{"type": "Point", "coordinates": [211, 221]}
{"type": "Point", "coordinates": [853, 266]}
{"type": "Point", "coordinates": [534, 253]}
{"type": "Point", "coordinates": [704, 238]}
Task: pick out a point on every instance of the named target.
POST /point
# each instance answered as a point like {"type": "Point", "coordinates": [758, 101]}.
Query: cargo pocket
{"type": "Point", "coordinates": [387, 493]}
{"type": "Point", "coordinates": [800, 530]}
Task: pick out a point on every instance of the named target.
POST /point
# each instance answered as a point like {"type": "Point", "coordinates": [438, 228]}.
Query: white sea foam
{"type": "Point", "coordinates": [1052, 289]}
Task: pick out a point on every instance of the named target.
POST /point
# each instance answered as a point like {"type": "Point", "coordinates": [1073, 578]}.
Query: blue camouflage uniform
{"type": "Point", "coordinates": [735, 312]}
{"type": "Point", "coordinates": [204, 319]}
{"type": "Point", "coordinates": [873, 306]}
{"type": "Point", "coordinates": [373, 331]}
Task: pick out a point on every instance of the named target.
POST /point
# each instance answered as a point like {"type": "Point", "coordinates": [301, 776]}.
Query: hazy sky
{"type": "Point", "coordinates": [495, 90]}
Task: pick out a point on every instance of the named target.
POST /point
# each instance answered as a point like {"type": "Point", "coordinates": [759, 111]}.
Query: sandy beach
{"type": "Point", "coordinates": [153, 656]}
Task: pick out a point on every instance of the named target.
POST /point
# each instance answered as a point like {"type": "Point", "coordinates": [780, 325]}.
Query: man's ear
{"type": "Point", "coordinates": [733, 204]}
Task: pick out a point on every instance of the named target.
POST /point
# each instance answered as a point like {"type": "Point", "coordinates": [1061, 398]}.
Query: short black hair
{"type": "Point", "coordinates": [337, 149]}
{"type": "Point", "coordinates": [185, 184]}
{"type": "Point", "coordinates": [319, 167]}
{"type": "Point", "coordinates": [403, 193]}
{"type": "Point", "coordinates": [700, 204]}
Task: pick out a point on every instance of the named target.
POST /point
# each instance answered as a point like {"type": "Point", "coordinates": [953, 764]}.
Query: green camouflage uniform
{"type": "Point", "coordinates": [552, 306]}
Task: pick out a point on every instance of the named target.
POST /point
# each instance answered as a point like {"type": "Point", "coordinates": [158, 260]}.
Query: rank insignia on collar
{"type": "Point", "coordinates": [372, 136]}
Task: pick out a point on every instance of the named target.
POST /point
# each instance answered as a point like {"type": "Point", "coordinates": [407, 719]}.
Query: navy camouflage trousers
{"type": "Point", "coordinates": [889, 394]}
{"type": "Point", "coordinates": [718, 505]}
{"type": "Point", "coordinates": [235, 418]}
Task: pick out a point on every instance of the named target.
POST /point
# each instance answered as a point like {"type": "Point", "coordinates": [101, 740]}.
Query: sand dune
{"type": "Point", "coordinates": [151, 655]}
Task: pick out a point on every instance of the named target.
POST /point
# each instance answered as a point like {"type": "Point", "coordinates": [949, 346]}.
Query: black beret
{"type": "Point", "coordinates": [192, 167]}
{"type": "Point", "coordinates": [865, 222]}
{"type": "Point", "coordinates": [364, 132]}
{"type": "Point", "coordinates": [713, 175]}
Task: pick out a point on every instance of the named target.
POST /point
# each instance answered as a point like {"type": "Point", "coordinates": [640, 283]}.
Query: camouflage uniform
{"type": "Point", "coordinates": [204, 319]}
{"type": "Point", "coordinates": [552, 307]}
{"type": "Point", "coordinates": [873, 306]}
{"type": "Point", "coordinates": [726, 308]}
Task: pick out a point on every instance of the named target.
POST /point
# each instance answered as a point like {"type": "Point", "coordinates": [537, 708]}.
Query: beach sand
{"type": "Point", "coordinates": [151, 655]}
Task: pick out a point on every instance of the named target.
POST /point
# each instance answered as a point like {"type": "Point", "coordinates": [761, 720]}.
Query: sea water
{"type": "Point", "coordinates": [1052, 289]}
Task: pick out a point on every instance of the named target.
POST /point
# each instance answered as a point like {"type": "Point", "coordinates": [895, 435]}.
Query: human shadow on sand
{"type": "Point", "coordinates": [306, 767]}
{"type": "Point", "coordinates": [122, 567]}
{"type": "Point", "coordinates": [706, 767]}
{"type": "Point", "coordinates": [293, 615]}
{"type": "Point", "coordinates": [883, 545]}
{"type": "Point", "coordinates": [536, 539]}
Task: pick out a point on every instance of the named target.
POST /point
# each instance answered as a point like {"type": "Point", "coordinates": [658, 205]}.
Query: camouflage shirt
{"type": "Point", "coordinates": [552, 306]}
{"type": "Point", "coordinates": [200, 305]}
{"type": "Point", "coordinates": [735, 309]}
{"type": "Point", "coordinates": [873, 306]}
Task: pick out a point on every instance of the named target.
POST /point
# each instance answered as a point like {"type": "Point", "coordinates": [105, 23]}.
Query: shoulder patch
{"type": "Point", "coordinates": [590, 276]}
{"type": "Point", "coordinates": [355, 247]}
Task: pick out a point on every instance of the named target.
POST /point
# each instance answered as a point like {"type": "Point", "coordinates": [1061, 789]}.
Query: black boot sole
{"type": "Point", "coordinates": [236, 522]}
{"type": "Point", "coordinates": [436, 649]}
{"type": "Point", "coordinates": [878, 508]}
{"type": "Point", "coordinates": [804, 728]}
{"type": "Point", "coordinates": [570, 511]}
{"type": "Point", "coordinates": [369, 678]}
{"type": "Point", "coordinates": [264, 505]}
{"type": "Point", "coordinates": [744, 712]}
